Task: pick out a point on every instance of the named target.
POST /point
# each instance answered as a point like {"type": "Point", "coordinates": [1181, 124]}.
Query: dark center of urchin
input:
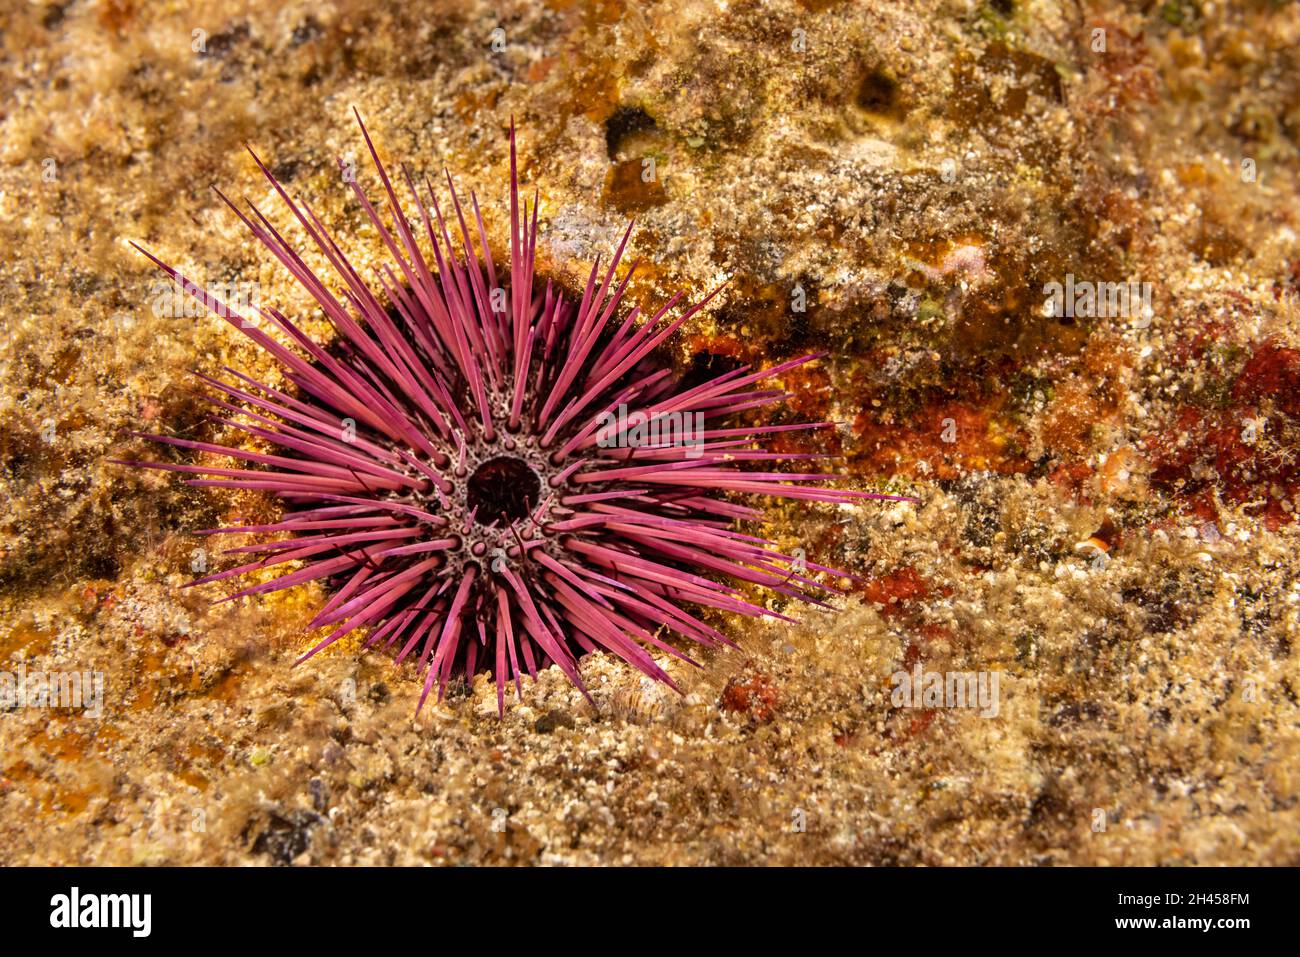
{"type": "Point", "coordinates": [502, 491]}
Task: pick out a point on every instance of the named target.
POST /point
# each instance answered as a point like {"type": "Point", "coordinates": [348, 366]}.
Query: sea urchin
{"type": "Point", "coordinates": [487, 473]}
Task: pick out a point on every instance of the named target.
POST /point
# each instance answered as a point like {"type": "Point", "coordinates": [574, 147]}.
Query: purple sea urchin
{"type": "Point", "coordinates": [487, 473]}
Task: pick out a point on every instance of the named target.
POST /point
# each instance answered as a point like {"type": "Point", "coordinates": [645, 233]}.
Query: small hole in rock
{"type": "Point", "coordinates": [623, 125]}
{"type": "Point", "coordinates": [879, 94]}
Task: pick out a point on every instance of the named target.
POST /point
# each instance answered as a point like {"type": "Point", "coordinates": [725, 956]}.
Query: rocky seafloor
{"type": "Point", "coordinates": [1106, 513]}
